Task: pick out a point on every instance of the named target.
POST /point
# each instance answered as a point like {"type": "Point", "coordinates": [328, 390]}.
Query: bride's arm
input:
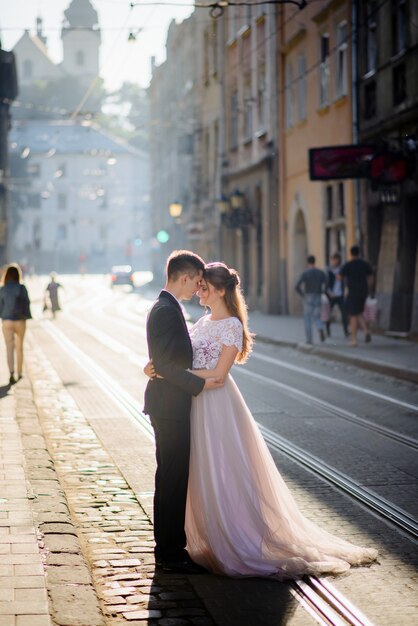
{"type": "Point", "coordinates": [226, 361]}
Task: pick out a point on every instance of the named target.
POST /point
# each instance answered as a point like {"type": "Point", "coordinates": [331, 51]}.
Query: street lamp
{"type": "Point", "coordinates": [233, 211]}
{"type": "Point", "coordinates": [175, 209]}
{"type": "Point", "coordinates": [237, 200]}
{"type": "Point", "coordinates": [222, 205]}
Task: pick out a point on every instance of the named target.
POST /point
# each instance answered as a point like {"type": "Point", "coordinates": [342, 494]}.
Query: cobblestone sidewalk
{"type": "Point", "coordinates": [77, 545]}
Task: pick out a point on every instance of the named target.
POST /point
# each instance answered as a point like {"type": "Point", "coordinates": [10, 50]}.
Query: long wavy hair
{"type": "Point", "coordinates": [220, 276]}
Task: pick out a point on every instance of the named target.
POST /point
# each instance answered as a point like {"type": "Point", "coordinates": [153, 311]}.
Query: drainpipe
{"type": "Point", "coordinates": [355, 117]}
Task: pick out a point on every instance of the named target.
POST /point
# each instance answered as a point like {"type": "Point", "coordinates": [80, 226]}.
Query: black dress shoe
{"type": "Point", "coordinates": [185, 566]}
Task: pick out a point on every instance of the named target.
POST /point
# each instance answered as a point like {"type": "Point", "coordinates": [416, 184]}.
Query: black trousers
{"type": "Point", "coordinates": [172, 440]}
{"type": "Point", "coordinates": [339, 301]}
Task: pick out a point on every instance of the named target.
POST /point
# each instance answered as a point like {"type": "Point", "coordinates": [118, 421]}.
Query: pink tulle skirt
{"type": "Point", "coordinates": [241, 519]}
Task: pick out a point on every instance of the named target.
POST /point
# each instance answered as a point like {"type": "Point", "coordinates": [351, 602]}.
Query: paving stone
{"type": "Point", "coordinates": [68, 574]}
{"type": "Point", "coordinates": [62, 543]}
{"type": "Point", "coordinates": [142, 615]}
{"type": "Point", "coordinates": [57, 528]}
{"type": "Point", "coordinates": [75, 606]}
{"type": "Point", "coordinates": [33, 620]}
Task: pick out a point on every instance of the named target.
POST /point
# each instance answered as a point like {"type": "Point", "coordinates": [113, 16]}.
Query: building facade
{"type": "Point", "coordinates": [174, 126]}
{"type": "Point", "coordinates": [315, 109]}
{"type": "Point", "coordinates": [388, 119]}
{"type": "Point", "coordinates": [79, 197]}
{"type": "Point", "coordinates": [249, 229]}
{"type": "Point", "coordinates": [81, 39]}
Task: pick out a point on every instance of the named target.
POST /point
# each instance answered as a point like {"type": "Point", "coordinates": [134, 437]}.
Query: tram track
{"type": "Point", "coordinates": [393, 515]}
{"type": "Point", "coordinates": [289, 390]}
{"type": "Point", "coordinates": [321, 599]}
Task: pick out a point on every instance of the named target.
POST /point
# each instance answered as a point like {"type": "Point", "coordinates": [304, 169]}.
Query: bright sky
{"type": "Point", "coordinates": [119, 60]}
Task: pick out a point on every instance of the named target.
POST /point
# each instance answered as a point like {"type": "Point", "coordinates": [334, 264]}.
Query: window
{"type": "Point", "coordinates": [27, 69]}
{"type": "Point", "coordinates": [62, 201]}
{"type": "Point", "coordinates": [215, 47]}
{"type": "Point", "coordinates": [232, 22]}
{"type": "Point", "coordinates": [248, 109]}
{"type": "Point", "coordinates": [34, 200]}
{"type": "Point", "coordinates": [370, 100]}
{"type": "Point", "coordinates": [329, 209]}
{"type": "Point", "coordinates": [34, 169]}
{"type": "Point", "coordinates": [79, 58]}
{"type": "Point", "coordinates": [62, 231]}
{"type": "Point", "coordinates": [302, 87]}
{"type": "Point", "coordinates": [371, 36]}
{"type": "Point", "coordinates": [398, 26]}
{"type": "Point", "coordinates": [399, 84]}
{"type": "Point", "coordinates": [342, 34]}
{"type": "Point", "coordinates": [341, 200]}
{"type": "Point", "coordinates": [335, 239]}
{"type": "Point", "coordinates": [234, 120]}
{"type": "Point", "coordinates": [324, 70]}
{"type": "Point", "coordinates": [261, 97]}
{"type": "Point", "coordinates": [289, 96]}
{"type": "Point", "coordinates": [206, 57]}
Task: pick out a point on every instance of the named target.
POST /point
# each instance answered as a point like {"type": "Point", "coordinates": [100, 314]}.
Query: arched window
{"type": "Point", "coordinates": [80, 57]}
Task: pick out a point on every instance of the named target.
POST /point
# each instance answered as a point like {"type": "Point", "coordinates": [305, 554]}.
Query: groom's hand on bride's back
{"type": "Point", "coordinates": [214, 383]}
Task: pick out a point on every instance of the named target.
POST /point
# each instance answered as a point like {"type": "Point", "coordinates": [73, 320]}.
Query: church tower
{"type": "Point", "coordinates": [81, 40]}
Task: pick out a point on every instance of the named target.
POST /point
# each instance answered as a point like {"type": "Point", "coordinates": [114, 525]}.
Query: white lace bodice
{"type": "Point", "coordinates": [209, 336]}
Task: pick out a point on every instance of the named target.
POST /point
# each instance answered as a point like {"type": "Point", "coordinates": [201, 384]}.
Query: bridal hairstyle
{"type": "Point", "coordinates": [221, 276]}
{"type": "Point", "coordinates": [183, 262]}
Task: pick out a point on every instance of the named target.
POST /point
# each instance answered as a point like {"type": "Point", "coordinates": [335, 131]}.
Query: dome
{"type": "Point", "coordinates": [81, 14]}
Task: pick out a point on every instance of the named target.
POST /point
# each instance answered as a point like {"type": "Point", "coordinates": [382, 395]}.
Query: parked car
{"type": "Point", "coordinates": [121, 275]}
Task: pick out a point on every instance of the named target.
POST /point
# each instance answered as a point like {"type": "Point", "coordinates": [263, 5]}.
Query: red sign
{"type": "Point", "coordinates": [336, 162]}
{"type": "Point", "coordinates": [388, 168]}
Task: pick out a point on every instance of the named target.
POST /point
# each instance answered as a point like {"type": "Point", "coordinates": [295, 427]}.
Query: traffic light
{"type": "Point", "coordinates": [163, 236]}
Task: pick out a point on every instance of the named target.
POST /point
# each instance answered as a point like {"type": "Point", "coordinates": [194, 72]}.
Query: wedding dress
{"type": "Point", "coordinates": [241, 519]}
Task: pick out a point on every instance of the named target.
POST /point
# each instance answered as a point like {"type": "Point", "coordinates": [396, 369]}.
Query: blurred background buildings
{"type": "Point", "coordinates": [227, 124]}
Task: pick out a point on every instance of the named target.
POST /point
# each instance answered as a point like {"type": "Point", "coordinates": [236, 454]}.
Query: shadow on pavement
{"type": "Point", "coordinates": [229, 601]}
{"type": "Point", "coordinates": [4, 390]}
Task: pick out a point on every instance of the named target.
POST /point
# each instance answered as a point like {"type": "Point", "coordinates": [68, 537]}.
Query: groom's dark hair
{"type": "Point", "coordinates": [183, 262]}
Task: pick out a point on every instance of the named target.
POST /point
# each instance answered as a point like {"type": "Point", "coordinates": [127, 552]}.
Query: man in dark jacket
{"type": "Point", "coordinates": [313, 281]}
{"type": "Point", "coordinates": [168, 399]}
{"type": "Point", "coordinates": [357, 274]}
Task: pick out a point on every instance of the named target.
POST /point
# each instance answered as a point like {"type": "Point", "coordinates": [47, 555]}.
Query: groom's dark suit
{"type": "Point", "coordinates": [168, 403]}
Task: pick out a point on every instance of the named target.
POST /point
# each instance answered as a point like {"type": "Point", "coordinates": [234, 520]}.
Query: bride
{"type": "Point", "coordinates": [241, 519]}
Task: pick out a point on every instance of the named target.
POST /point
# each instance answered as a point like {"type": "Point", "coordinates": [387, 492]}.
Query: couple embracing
{"type": "Point", "coordinates": [220, 503]}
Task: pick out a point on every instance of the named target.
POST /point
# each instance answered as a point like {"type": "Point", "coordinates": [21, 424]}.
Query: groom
{"type": "Point", "coordinates": [168, 403]}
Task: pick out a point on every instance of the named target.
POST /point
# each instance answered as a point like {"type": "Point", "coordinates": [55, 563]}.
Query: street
{"type": "Point", "coordinates": [344, 440]}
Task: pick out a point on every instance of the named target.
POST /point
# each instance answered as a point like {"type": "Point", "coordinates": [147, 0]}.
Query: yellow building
{"type": "Point", "coordinates": [315, 109]}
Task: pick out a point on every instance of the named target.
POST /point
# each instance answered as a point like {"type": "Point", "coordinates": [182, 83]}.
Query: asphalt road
{"type": "Point", "coordinates": [362, 424]}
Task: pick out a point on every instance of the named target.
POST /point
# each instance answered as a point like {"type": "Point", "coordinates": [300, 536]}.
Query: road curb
{"type": "Point", "coordinates": [367, 364]}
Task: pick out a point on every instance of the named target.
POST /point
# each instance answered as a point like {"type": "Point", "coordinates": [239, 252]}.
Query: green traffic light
{"type": "Point", "coordinates": [163, 236]}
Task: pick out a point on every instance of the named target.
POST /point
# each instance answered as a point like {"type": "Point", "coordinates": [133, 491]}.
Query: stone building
{"type": "Point", "coordinates": [249, 228]}
{"type": "Point", "coordinates": [388, 119]}
{"type": "Point", "coordinates": [78, 197]}
{"type": "Point", "coordinates": [174, 128]}
{"type": "Point", "coordinates": [81, 38]}
{"type": "Point", "coordinates": [315, 109]}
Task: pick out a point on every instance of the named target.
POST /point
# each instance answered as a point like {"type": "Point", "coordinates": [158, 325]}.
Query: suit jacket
{"type": "Point", "coordinates": [170, 349]}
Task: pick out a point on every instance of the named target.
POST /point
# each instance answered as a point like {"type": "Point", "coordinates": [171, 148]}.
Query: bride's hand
{"type": "Point", "coordinates": [149, 370]}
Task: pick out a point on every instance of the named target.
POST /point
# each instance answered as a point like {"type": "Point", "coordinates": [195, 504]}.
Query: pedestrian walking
{"type": "Point", "coordinates": [313, 281]}
{"type": "Point", "coordinates": [335, 292]}
{"type": "Point", "coordinates": [52, 290]}
{"type": "Point", "coordinates": [14, 311]}
{"type": "Point", "coordinates": [357, 273]}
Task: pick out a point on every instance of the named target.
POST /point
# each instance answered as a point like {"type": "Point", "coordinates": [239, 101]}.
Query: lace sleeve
{"type": "Point", "coordinates": [232, 333]}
